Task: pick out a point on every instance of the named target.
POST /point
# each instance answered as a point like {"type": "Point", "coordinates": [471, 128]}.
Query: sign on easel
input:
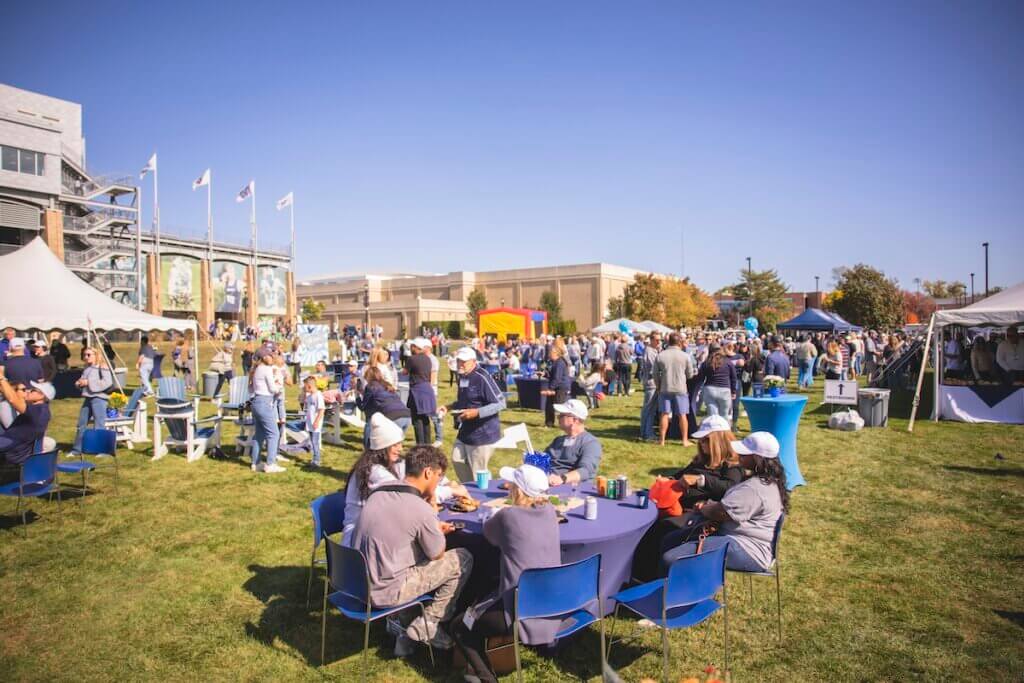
{"type": "Point", "coordinates": [842, 392]}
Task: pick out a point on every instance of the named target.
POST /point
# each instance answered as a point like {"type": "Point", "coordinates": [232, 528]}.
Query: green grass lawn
{"type": "Point", "coordinates": [902, 560]}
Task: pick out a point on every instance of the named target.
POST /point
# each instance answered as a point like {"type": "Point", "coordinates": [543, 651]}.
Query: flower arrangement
{"type": "Point", "coordinates": [774, 382]}
{"type": "Point", "coordinates": [117, 400]}
{"type": "Point", "coordinates": [322, 383]}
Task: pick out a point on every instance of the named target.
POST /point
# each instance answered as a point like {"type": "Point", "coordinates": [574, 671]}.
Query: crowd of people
{"type": "Point", "coordinates": [984, 359]}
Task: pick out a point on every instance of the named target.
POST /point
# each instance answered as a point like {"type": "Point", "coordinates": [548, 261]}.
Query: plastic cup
{"type": "Point", "coordinates": [483, 479]}
{"type": "Point", "coordinates": [642, 498]}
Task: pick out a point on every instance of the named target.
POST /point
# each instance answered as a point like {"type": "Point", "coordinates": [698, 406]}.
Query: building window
{"type": "Point", "coordinates": [22, 160]}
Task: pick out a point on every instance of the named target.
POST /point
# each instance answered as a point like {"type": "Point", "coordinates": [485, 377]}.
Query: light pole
{"type": "Point", "coordinates": [985, 244]}
{"type": "Point", "coordinates": [972, 288]}
{"type": "Point", "coordinates": [816, 289]}
{"type": "Point", "coordinates": [750, 287]}
{"type": "Point", "coordinates": [366, 307]}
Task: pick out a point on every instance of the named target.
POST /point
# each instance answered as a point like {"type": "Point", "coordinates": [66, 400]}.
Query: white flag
{"type": "Point", "coordinates": [246, 191]}
{"type": "Point", "coordinates": [285, 201]}
{"type": "Point", "coordinates": [201, 180]}
{"type": "Point", "coordinates": [150, 166]}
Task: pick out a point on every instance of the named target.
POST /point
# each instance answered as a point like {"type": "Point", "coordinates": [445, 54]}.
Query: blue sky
{"type": "Point", "coordinates": [464, 135]}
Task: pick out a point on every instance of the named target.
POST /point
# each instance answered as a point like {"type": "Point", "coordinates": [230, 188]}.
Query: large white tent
{"type": "Point", "coordinates": [41, 293]}
{"type": "Point", "coordinates": [613, 326]}
{"type": "Point", "coordinates": [979, 403]}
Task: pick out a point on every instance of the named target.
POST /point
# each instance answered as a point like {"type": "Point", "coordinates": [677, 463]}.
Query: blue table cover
{"type": "Point", "coordinates": [781, 417]}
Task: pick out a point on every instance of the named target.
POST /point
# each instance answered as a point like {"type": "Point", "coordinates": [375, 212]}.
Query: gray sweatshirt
{"type": "Point", "coordinates": [99, 380]}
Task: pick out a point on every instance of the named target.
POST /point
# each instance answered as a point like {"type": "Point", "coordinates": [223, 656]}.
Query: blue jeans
{"type": "Point", "coordinates": [315, 439]}
{"type": "Point", "coordinates": [264, 417]}
{"type": "Point", "coordinates": [648, 413]}
{"type": "Point", "coordinates": [736, 558]}
{"type": "Point", "coordinates": [96, 408]}
{"type": "Point", "coordinates": [718, 401]}
{"type": "Point", "coordinates": [438, 427]}
{"type": "Point", "coordinates": [806, 378]}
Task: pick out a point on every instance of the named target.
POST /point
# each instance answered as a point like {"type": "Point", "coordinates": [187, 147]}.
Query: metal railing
{"type": "Point", "coordinates": [199, 235]}
{"type": "Point", "coordinates": [86, 188]}
{"type": "Point", "coordinates": [97, 218]}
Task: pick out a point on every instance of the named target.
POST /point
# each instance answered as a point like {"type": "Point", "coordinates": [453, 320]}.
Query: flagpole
{"type": "Point", "coordinates": [291, 206]}
{"type": "Point", "coordinates": [255, 238]}
{"type": "Point", "coordinates": [209, 215]}
{"type": "Point", "coordinates": [138, 248]}
{"type": "Point", "coordinates": [156, 214]}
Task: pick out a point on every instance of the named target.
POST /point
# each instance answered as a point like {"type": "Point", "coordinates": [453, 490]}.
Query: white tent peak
{"type": "Point", "coordinates": [999, 310]}
{"type": "Point", "coordinates": [41, 293]}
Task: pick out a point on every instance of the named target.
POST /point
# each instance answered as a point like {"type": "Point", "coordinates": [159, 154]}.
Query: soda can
{"type": "Point", "coordinates": [602, 486]}
{"type": "Point", "coordinates": [623, 487]}
{"type": "Point", "coordinates": [590, 511]}
{"type": "Point", "coordinates": [612, 489]}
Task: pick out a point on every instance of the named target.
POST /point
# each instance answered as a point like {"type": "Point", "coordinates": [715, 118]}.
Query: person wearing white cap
{"type": "Point", "coordinates": [20, 366]}
{"type": "Point", "coordinates": [422, 401]}
{"type": "Point", "coordinates": [526, 531]}
{"type": "Point", "coordinates": [31, 403]}
{"type": "Point", "coordinates": [748, 513]}
{"type": "Point", "coordinates": [478, 402]}
{"type": "Point", "coordinates": [714, 470]}
{"type": "Point", "coordinates": [576, 454]}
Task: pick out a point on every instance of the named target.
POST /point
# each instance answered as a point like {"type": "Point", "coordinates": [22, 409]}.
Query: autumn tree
{"type": "Point", "coordinates": [643, 298]}
{"type": "Point", "coordinates": [686, 304]}
{"type": "Point", "coordinates": [864, 296]}
{"type": "Point", "coordinates": [616, 308]}
{"type": "Point", "coordinates": [917, 307]}
{"type": "Point", "coordinates": [549, 302]}
{"type": "Point", "coordinates": [312, 310]}
{"type": "Point", "coordinates": [766, 295]}
{"type": "Point", "coordinates": [940, 289]}
{"type": "Point", "coordinates": [476, 301]}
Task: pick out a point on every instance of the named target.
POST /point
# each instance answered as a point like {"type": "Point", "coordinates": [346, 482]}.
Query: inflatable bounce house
{"type": "Point", "coordinates": [517, 323]}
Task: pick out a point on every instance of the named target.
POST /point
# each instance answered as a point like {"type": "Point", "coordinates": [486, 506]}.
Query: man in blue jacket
{"type": "Point", "coordinates": [777, 362]}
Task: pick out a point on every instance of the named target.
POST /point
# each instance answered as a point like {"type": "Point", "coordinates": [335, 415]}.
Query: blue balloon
{"type": "Point", "coordinates": [750, 325]}
{"type": "Point", "coordinates": [623, 327]}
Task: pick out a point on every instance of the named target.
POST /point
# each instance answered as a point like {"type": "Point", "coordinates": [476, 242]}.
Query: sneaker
{"type": "Point", "coordinates": [394, 626]}
{"type": "Point", "coordinates": [404, 646]}
{"type": "Point", "coordinates": [281, 458]}
{"type": "Point", "coordinates": [646, 623]}
{"type": "Point", "coordinates": [257, 467]}
{"type": "Point", "coordinates": [438, 443]}
{"type": "Point", "coordinates": [273, 469]}
{"type": "Point", "coordinates": [422, 631]}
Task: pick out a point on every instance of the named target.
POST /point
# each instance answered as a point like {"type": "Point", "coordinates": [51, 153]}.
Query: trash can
{"type": "Point", "coordinates": [873, 406]}
{"type": "Point", "coordinates": [210, 383]}
{"type": "Point", "coordinates": [121, 374]}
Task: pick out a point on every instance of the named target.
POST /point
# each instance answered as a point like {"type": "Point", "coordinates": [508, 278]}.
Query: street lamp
{"type": "Point", "coordinates": [972, 287]}
{"type": "Point", "coordinates": [816, 289]}
{"type": "Point", "coordinates": [985, 244]}
{"type": "Point", "coordinates": [750, 286]}
{"type": "Point", "coordinates": [366, 306]}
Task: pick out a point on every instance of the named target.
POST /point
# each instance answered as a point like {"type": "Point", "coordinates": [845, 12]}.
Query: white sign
{"type": "Point", "coordinates": [314, 344]}
{"type": "Point", "coordinates": [843, 392]}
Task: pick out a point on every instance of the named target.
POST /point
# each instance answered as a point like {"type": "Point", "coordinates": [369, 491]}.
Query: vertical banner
{"type": "Point", "coordinates": [228, 286]}
{"type": "Point", "coordinates": [272, 290]}
{"type": "Point", "coordinates": [314, 344]}
{"type": "Point", "coordinates": [180, 283]}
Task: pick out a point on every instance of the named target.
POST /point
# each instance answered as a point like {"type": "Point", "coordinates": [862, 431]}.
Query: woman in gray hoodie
{"type": "Point", "coordinates": [96, 381]}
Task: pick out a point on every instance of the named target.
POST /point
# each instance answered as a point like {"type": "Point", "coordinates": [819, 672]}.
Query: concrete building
{"type": "Point", "coordinates": [401, 302]}
{"type": "Point", "coordinates": [734, 310]}
{"type": "Point", "coordinates": [91, 221]}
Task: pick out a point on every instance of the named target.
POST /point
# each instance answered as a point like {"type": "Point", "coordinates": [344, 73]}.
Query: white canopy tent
{"type": "Point", "coordinates": [1003, 309]}
{"type": "Point", "coordinates": [657, 327]}
{"type": "Point", "coordinates": [41, 293]}
{"type": "Point", "coordinates": [614, 326]}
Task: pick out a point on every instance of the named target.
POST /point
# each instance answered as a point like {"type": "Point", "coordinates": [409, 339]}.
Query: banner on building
{"type": "Point", "coordinates": [272, 290]}
{"type": "Point", "coordinates": [228, 287]}
{"type": "Point", "coordinates": [180, 283]}
{"type": "Point", "coordinates": [314, 344]}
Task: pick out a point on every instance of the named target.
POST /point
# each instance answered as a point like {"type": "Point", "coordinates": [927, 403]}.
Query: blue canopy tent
{"type": "Point", "coordinates": [813, 320]}
{"type": "Point", "coordinates": [843, 326]}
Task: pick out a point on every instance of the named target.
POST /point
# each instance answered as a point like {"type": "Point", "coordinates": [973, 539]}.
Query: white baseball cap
{"type": "Point", "coordinates": [420, 342]}
{"type": "Point", "coordinates": [712, 423]}
{"type": "Point", "coordinates": [46, 389]}
{"type": "Point", "coordinates": [465, 353]}
{"type": "Point", "coordinates": [758, 443]}
{"type": "Point", "coordinates": [384, 433]}
{"type": "Point", "coordinates": [531, 480]}
{"type": "Point", "coordinates": [574, 407]}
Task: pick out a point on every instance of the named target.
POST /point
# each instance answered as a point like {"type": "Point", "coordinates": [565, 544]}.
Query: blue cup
{"type": "Point", "coordinates": [642, 498]}
{"type": "Point", "coordinates": [483, 479]}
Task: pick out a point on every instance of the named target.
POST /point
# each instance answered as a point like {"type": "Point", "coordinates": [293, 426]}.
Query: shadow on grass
{"type": "Point", "coordinates": [990, 471]}
{"type": "Point", "coordinates": [282, 590]}
{"type": "Point", "coordinates": [1015, 617]}
{"type": "Point", "coordinates": [12, 521]}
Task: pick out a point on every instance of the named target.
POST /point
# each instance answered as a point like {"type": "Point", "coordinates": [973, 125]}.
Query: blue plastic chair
{"type": "Point", "coordinates": [563, 591]}
{"type": "Point", "coordinates": [347, 588]}
{"type": "Point", "coordinates": [774, 570]}
{"type": "Point", "coordinates": [38, 477]}
{"type": "Point", "coordinates": [684, 599]}
{"type": "Point", "coordinates": [328, 518]}
{"type": "Point", "coordinates": [80, 466]}
{"type": "Point", "coordinates": [101, 443]}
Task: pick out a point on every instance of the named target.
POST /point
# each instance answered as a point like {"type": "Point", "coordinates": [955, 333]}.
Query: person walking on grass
{"type": "Point", "coordinates": [315, 409]}
{"type": "Point", "coordinates": [671, 370]}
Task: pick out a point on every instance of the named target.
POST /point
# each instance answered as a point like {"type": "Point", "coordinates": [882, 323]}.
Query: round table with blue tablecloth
{"type": "Point", "coordinates": [529, 390]}
{"type": "Point", "coordinates": [779, 415]}
{"type": "Point", "coordinates": [619, 526]}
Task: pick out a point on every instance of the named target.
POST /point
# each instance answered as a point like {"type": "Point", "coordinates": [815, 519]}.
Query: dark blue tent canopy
{"type": "Point", "coordinates": [814, 320]}
{"type": "Point", "coordinates": [843, 326]}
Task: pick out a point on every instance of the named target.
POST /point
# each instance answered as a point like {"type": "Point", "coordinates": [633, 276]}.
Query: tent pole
{"type": "Point", "coordinates": [938, 349]}
{"type": "Point", "coordinates": [920, 375]}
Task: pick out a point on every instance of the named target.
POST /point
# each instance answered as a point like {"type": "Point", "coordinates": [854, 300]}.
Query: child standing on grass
{"type": "Point", "coordinates": [315, 407]}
